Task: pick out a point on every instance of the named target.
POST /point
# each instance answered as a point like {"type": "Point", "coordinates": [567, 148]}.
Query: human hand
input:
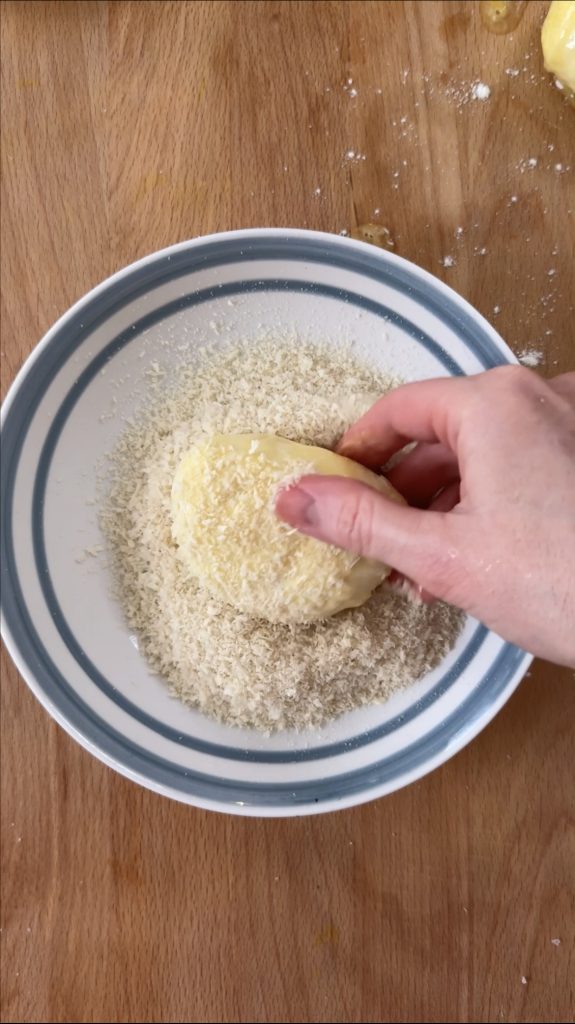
{"type": "Point", "coordinates": [491, 485]}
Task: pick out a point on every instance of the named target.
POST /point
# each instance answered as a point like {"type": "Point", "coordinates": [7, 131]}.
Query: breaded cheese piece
{"type": "Point", "coordinates": [230, 539]}
{"type": "Point", "coordinates": [558, 42]}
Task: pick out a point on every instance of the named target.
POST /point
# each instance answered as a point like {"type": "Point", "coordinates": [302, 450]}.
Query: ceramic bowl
{"type": "Point", "coordinates": [66, 632]}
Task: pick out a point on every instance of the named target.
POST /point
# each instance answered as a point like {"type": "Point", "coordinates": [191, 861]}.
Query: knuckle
{"type": "Point", "coordinates": [355, 522]}
{"type": "Point", "coordinates": [515, 377]}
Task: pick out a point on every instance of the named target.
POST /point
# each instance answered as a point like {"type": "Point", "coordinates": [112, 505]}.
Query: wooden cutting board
{"type": "Point", "coordinates": [128, 126]}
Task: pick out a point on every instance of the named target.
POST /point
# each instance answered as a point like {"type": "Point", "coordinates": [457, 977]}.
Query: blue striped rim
{"type": "Point", "coordinates": [74, 332]}
{"type": "Point", "coordinates": [111, 349]}
{"type": "Point", "coordinates": [163, 772]}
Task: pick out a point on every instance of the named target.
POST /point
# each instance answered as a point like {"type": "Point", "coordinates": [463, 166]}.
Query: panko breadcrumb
{"type": "Point", "coordinates": [240, 670]}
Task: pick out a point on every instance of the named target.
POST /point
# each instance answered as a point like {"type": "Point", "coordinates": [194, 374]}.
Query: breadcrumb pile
{"type": "Point", "coordinates": [244, 671]}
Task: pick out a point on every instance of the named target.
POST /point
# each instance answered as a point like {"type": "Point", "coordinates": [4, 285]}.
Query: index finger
{"type": "Point", "coordinates": [428, 410]}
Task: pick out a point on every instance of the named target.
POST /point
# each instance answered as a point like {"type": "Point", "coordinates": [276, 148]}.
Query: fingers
{"type": "Point", "coordinates": [353, 516]}
{"type": "Point", "coordinates": [423, 472]}
{"type": "Point", "coordinates": [447, 499]}
{"type": "Point", "coordinates": [564, 385]}
{"type": "Point", "coordinates": [428, 411]}
{"type": "Point", "coordinates": [407, 586]}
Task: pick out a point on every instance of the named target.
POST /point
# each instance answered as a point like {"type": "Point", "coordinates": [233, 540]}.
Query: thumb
{"type": "Point", "coordinates": [354, 516]}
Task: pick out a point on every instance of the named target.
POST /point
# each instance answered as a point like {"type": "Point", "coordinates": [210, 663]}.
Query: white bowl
{"type": "Point", "coordinates": [63, 629]}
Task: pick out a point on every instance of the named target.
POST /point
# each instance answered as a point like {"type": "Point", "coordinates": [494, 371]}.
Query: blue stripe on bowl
{"type": "Point", "coordinates": [160, 771]}
{"type": "Point", "coordinates": [94, 312]}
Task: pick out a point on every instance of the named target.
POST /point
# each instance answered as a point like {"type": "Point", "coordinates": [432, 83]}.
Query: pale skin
{"type": "Point", "coordinates": [490, 525]}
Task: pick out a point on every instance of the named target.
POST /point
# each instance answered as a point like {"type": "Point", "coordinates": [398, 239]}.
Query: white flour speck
{"type": "Point", "coordinates": [354, 156]}
{"type": "Point", "coordinates": [530, 357]}
{"type": "Point", "coordinates": [527, 164]}
{"type": "Point", "coordinates": [480, 91]}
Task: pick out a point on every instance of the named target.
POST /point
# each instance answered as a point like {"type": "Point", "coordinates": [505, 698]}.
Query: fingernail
{"type": "Point", "coordinates": [297, 507]}
{"type": "Point", "coordinates": [355, 442]}
{"type": "Point", "coordinates": [344, 446]}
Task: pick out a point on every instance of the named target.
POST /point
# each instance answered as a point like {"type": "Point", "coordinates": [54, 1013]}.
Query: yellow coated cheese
{"type": "Point", "coordinates": [558, 42]}
{"type": "Point", "coordinates": [231, 541]}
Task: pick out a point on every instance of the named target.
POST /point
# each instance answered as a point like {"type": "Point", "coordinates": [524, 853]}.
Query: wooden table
{"type": "Point", "coordinates": [128, 126]}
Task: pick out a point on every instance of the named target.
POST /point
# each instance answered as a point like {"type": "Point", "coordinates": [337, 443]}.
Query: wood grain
{"type": "Point", "coordinates": [128, 126]}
